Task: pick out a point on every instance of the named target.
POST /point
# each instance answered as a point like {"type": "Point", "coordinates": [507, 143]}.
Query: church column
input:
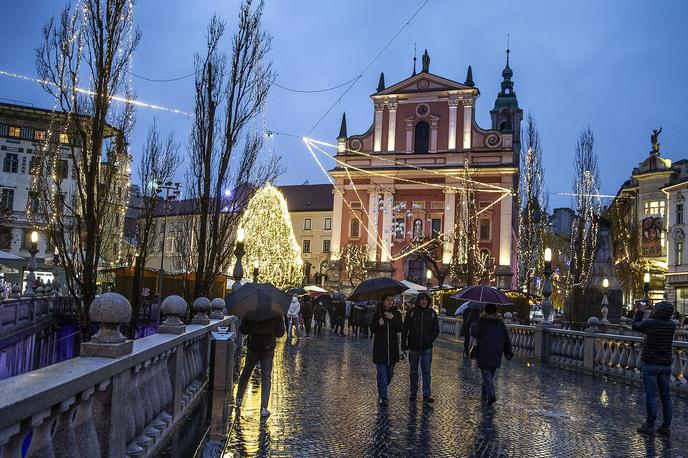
{"type": "Point", "coordinates": [379, 107]}
{"type": "Point", "coordinates": [453, 103]}
{"type": "Point", "coordinates": [504, 271]}
{"type": "Point", "coordinates": [373, 212]}
{"type": "Point", "coordinates": [409, 134]}
{"type": "Point", "coordinates": [467, 122]}
{"type": "Point", "coordinates": [387, 216]}
{"type": "Point", "coordinates": [449, 212]}
{"type": "Point", "coordinates": [335, 244]}
{"type": "Point", "coordinates": [434, 125]}
{"type": "Point", "coordinates": [392, 126]}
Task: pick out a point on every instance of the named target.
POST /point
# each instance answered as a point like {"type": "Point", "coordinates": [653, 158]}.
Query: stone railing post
{"type": "Point", "coordinates": [542, 341]}
{"type": "Point", "coordinates": [110, 310]}
{"type": "Point", "coordinates": [218, 306]}
{"type": "Point", "coordinates": [589, 344]}
{"type": "Point", "coordinates": [201, 306]}
{"type": "Point", "coordinates": [174, 307]}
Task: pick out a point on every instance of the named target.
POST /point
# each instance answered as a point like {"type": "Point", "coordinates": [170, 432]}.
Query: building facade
{"type": "Point", "coordinates": [400, 180]}
{"type": "Point", "coordinates": [23, 131]}
{"type": "Point", "coordinates": [310, 210]}
{"type": "Point", "coordinates": [677, 262]}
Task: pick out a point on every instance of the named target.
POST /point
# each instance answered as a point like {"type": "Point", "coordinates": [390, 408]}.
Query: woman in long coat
{"type": "Point", "coordinates": [387, 324]}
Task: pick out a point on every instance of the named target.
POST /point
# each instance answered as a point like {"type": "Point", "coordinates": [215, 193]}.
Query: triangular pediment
{"type": "Point", "coordinates": [424, 82]}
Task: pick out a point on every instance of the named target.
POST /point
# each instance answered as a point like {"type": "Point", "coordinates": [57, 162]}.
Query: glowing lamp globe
{"type": "Point", "coordinates": [548, 254]}
{"type": "Point", "coordinates": [241, 234]}
{"type": "Point", "coordinates": [255, 264]}
{"type": "Point", "coordinates": [605, 283]}
{"type": "Point", "coordinates": [34, 237]}
{"type": "Point", "coordinates": [646, 277]}
{"type": "Point", "coordinates": [428, 274]}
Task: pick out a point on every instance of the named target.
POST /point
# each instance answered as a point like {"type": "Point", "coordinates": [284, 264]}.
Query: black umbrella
{"type": "Point", "coordinates": [258, 301]}
{"type": "Point", "coordinates": [297, 292]}
{"type": "Point", "coordinates": [375, 288]}
{"type": "Point", "coordinates": [339, 296]}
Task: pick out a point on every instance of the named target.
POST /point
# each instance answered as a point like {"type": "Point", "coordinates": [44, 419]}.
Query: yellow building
{"type": "Point", "coordinates": [310, 210]}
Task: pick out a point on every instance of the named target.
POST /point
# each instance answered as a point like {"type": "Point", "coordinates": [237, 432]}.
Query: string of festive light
{"type": "Point", "coordinates": [80, 90]}
{"type": "Point", "coordinates": [405, 164]}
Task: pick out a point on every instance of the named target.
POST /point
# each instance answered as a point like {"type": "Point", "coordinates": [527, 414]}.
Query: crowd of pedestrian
{"type": "Point", "coordinates": [486, 340]}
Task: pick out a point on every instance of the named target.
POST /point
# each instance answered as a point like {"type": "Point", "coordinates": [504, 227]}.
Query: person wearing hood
{"type": "Point", "coordinates": [421, 328]}
{"type": "Point", "coordinates": [492, 341]}
{"type": "Point", "coordinates": [387, 324]}
{"type": "Point", "coordinates": [307, 315]}
{"type": "Point", "coordinates": [293, 317]}
{"type": "Point", "coordinates": [656, 356]}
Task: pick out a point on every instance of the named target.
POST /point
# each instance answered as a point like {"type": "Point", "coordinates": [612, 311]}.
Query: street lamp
{"type": "Point", "coordinates": [605, 301]}
{"type": "Point", "coordinates": [646, 288]}
{"type": "Point", "coordinates": [255, 271]}
{"type": "Point", "coordinates": [428, 277]}
{"type": "Point", "coordinates": [546, 306]}
{"type": "Point", "coordinates": [31, 279]}
{"type": "Point", "coordinates": [172, 191]}
{"type": "Point", "coordinates": [239, 252]}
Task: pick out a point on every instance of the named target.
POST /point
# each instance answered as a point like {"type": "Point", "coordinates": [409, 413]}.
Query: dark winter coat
{"type": "Point", "coordinates": [493, 341]}
{"type": "Point", "coordinates": [659, 335]}
{"type": "Point", "coordinates": [319, 311]}
{"type": "Point", "coordinates": [338, 310]}
{"type": "Point", "coordinates": [358, 313]}
{"type": "Point", "coordinates": [307, 308]}
{"type": "Point", "coordinates": [262, 334]}
{"type": "Point", "coordinates": [369, 314]}
{"type": "Point", "coordinates": [386, 341]}
{"type": "Point", "coordinates": [421, 328]}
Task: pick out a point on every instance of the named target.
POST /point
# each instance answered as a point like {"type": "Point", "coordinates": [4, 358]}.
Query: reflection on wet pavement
{"type": "Point", "coordinates": [323, 404]}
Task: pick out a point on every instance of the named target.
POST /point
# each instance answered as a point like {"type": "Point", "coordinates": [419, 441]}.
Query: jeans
{"type": "Point", "coordinates": [424, 357]}
{"type": "Point", "coordinates": [293, 321]}
{"type": "Point", "coordinates": [265, 359]}
{"type": "Point", "coordinates": [384, 378]}
{"type": "Point", "coordinates": [488, 388]}
{"type": "Point", "coordinates": [655, 376]}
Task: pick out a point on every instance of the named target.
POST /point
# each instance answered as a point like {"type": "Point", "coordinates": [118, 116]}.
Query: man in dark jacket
{"type": "Point", "coordinates": [387, 325]}
{"type": "Point", "coordinates": [260, 348]}
{"type": "Point", "coordinates": [493, 340]}
{"type": "Point", "coordinates": [307, 314]}
{"type": "Point", "coordinates": [656, 356]}
{"type": "Point", "coordinates": [339, 308]}
{"type": "Point", "coordinates": [421, 328]}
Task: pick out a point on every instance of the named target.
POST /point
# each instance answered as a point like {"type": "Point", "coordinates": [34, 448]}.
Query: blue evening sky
{"type": "Point", "coordinates": [618, 66]}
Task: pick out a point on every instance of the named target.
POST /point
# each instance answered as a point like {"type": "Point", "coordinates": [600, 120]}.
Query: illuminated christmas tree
{"type": "Point", "coordinates": [270, 239]}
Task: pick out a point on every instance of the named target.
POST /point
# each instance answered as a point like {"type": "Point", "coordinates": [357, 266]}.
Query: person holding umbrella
{"type": "Point", "coordinates": [261, 308]}
{"type": "Point", "coordinates": [421, 328]}
{"type": "Point", "coordinates": [387, 324]}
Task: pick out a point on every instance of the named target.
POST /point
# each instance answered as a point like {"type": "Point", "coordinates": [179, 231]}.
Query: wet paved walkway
{"type": "Point", "coordinates": [324, 397]}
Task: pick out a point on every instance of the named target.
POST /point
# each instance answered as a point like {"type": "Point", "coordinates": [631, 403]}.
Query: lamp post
{"type": "Point", "coordinates": [646, 288]}
{"type": "Point", "coordinates": [239, 252]}
{"type": "Point", "coordinates": [605, 301]}
{"type": "Point", "coordinates": [428, 278]}
{"type": "Point", "coordinates": [546, 305]}
{"type": "Point", "coordinates": [255, 271]}
{"type": "Point", "coordinates": [31, 279]}
{"type": "Point", "coordinates": [172, 191]}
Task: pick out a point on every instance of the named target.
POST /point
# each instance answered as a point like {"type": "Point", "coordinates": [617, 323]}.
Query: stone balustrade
{"type": "Point", "coordinates": [118, 403]}
{"type": "Point", "coordinates": [596, 353]}
{"type": "Point", "coordinates": [16, 314]}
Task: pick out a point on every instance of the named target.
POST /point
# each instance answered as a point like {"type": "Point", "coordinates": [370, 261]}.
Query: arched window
{"type": "Point", "coordinates": [422, 138]}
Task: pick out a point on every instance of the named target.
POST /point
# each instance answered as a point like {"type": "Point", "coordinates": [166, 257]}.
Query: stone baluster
{"type": "Point", "coordinates": [138, 404]}
{"type": "Point", "coordinates": [174, 308]}
{"type": "Point", "coordinates": [676, 369]}
{"type": "Point", "coordinates": [623, 361]}
{"type": "Point", "coordinates": [84, 424]}
{"type": "Point", "coordinates": [110, 311]}
{"type": "Point", "coordinates": [168, 393]}
{"type": "Point", "coordinates": [41, 436]}
{"type": "Point", "coordinates": [63, 437]}
{"type": "Point", "coordinates": [201, 306]}
{"type": "Point", "coordinates": [218, 306]}
{"type": "Point", "coordinates": [576, 353]}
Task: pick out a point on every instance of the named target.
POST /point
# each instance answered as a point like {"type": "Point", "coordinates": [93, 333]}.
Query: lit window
{"type": "Point", "coordinates": [654, 207]}
{"type": "Point", "coordinates": [307, 224]}
{"type": "Point", "coordinates": [326, 246]}
{"type": "Point", "coordinates": [14, 131]}
{"type": "Point", "coordinates": [39, 135]}
{"type": "Point", "coordinates": [306, 246]}
{"type": "Point", "coordinates": [679, 252]}
{"type": "Point", "coordinates": [485, 229]}
{"type": "Point", "coordinates": [64, 139]}
{"type": "Point", "coordinates": [355, 227]}
{"type": "Point", "coordinates": [328, 224]}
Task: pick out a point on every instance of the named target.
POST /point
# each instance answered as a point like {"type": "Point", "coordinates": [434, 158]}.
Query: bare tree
{"type": "Point", "coordinates": [532, 206]}
{"type": "Point", "coordinates": [81, 62]}
{"type": "Point", "coordinates": [583, 246]}
{"type": "Point", "coordinates": [158, 164]}
{"type": "Point", "coordinates": [431, 251]}
{"type": "Point", "coordinates": [221, 139]}
{"type": "Point", "coordinates": [468, 264]}
{"type": "Point", "coordinates": [354, 262]}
